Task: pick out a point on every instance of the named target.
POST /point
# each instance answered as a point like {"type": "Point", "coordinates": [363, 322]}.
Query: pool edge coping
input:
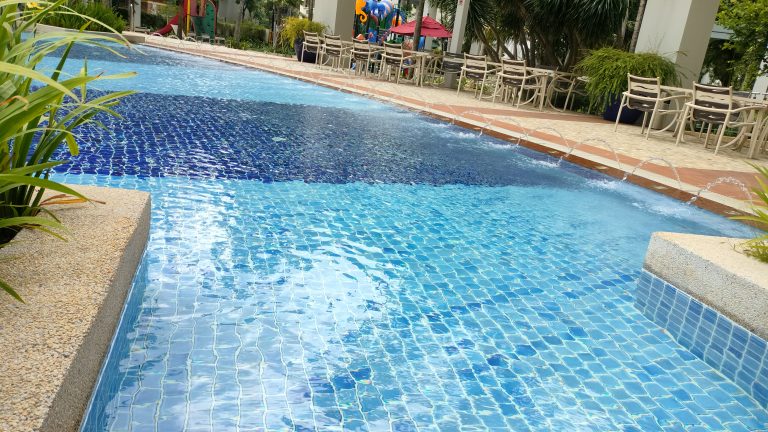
{"type": "Point", "coordinates": [74, 293]}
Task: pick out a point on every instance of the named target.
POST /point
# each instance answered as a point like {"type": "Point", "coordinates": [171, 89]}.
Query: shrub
{"type": "Point", "coordinates": [607, 70]}
{"type": "Point", "coordinates": [249, 32]}
{"type": "Point", "coordinates": [95, 15]}
{"type": "Point", "coordinates": [294, 28]}
{"type": "Point", "coordinates": [148, 20]}
{"type": "Point", "coordinates": [36, 120]}
{"type": "Point", "coordinates": [758, 246]}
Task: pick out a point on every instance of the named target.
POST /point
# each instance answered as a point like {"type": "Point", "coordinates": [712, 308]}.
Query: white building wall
{"type": "Point", "coordinates": [679, 30]}
{"type": "Point", "coordinates": [338, 15]}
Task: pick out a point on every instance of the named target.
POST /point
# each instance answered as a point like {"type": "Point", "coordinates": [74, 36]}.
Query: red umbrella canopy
{"type": "Point", "coordinates": [429, 28]}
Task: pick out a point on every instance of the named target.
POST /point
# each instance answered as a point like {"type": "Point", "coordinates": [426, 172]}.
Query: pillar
{"type": "Point", "coordinates": [135, 11]}
{"type": "Point", "coordinates": [679, 30]}
{"type": "Point", "coordinates": [432, 13]}
{"type": "Point", "coordinates": [338, 15]}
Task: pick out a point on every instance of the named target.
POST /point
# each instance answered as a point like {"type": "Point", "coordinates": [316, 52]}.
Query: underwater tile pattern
{"type": "Point", "coordinates": [299, 306]}
{"type": "Point", "coordinates": [311, 266]}
{"type": "Point", "coordinates": [203, 137]}
{"type": "Point", "coordinates": [711, 336]}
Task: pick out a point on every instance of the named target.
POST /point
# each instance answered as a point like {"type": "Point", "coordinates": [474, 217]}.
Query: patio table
{"type": "Point", "coordinates": [759, 132]}
{"type": "Point", "coordinates": [421, 59]}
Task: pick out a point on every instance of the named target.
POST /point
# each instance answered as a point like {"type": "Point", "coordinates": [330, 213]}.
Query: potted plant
{"type": "Point", "coordinates": [40, 113]}
{"type": "Point", "coordinates": [607, 70]}
{"type": "Point", "coordinates": [293, 33]}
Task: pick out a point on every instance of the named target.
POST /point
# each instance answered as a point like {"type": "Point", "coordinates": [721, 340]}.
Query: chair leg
{"type": "Point", "coordinates": [458, 86]}
{"type": "Point", "coordinates": [618, 116]}
{"type": "Point", "coordinates": [650, 124]}
{"type": "Point", "coordinates": [721, 135]}
{"type": "Point", "coordinates": [642, 125]}
{"type": "Point", "coordinates": [706, 137]}
{"type": "Point", "coordinates": [496, 90]}
{"type": "Point", "coordinates": [681, 126]}
{"type": "Point", "coordinates": [567, 97]}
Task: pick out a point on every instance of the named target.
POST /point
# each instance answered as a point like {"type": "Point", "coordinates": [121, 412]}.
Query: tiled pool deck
{"type": "Point", "coordinates": [590, 137]}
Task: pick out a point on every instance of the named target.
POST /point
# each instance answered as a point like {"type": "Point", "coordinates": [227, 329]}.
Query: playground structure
{"type": "Point", "coordinates": [374, 18]}
{"type": "Point", "coordinates": [197, 17]}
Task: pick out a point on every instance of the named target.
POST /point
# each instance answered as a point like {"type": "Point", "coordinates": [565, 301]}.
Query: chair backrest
{"type": "Point", "coordinates": [513, 67]}
{"type": "Point", "coordinates": [361, 49]}
{"type": "Point", "coordinates": [393, 49]}
{"type": "Point", "coordinates": [333, 46]}
{"type": "Point", "coordinates": [393, 53]}
{"type": "Point", "coordinates": [562, 82]}
{"type": "Point", "coordinates": [714, 98]}
{"type": "Point", "coordinates": [311, 38]}
{"type": "Point", "coordinates": [642, 86]}
{"type": "Point", "coordinates": [452, 62]}
{"type": "Point", "coordinates": [513, 72]}
{"type": "Point", "coordinates": [646, 90]}
{"type": "Point", "coordinates": [475, 62]}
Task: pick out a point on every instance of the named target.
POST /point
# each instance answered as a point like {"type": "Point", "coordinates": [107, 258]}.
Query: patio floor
{"type": "Point", "coordinates": [591, 141]}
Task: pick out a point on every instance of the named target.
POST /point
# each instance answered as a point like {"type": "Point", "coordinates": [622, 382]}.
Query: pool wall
{"type": "Point", "coordinates": [737, 353]}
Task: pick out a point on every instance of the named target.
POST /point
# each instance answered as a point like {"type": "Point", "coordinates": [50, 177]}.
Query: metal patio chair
{"type": "Point", "coordinates": [311, 44]}
{"type": "Point", "coordinates": [395, 59]}
{"type": "Point", "coordinates": [715, 106]}
{"type": "Point", "coordinates": [516, 79]}
{"type": "Point", "coordinates": [645, 94]}
{"type": "Point", "coordinates": [477, 69]}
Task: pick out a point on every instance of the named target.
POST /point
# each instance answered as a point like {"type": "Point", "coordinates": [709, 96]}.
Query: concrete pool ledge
{"type": "Point", "coordinates": [53, 345]}
{"type": "Point", "coordinates": [714, 271]}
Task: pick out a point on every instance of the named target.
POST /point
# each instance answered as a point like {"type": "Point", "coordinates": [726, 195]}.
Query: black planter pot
{"type": "Point", "coordinates": [309, 57]}
{"type": "Point", "coordinates": [628, 116]}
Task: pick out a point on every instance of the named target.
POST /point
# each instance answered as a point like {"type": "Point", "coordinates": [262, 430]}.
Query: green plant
{"type": "Point", "coordinates": [758, 246]}
{"type": "Point", "coordinates": [148, 20]}
{"type": "Point", "coordinates": [39, 114]}
{"type": "Point", "coordinates": [747, 45]}
{"type": "Point", "coordinates": [249, 31]}
{"type": "Point", "coordinates": [607, 70]}
{"type": "Point", "coordinates": [294, 28]}
{"type": "Point", "coordinates": [94, 15]}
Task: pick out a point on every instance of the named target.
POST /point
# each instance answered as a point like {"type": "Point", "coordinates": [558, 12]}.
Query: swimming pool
{"type": "Point", "coordinates": [320, 261]}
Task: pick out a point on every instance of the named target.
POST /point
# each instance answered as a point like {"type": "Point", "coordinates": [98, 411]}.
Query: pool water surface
{"type": "Point", "coordinates": [320, 261]}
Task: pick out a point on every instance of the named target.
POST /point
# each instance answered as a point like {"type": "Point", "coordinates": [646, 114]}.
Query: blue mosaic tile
{"type": "Point", "coordinates": [728, 347]}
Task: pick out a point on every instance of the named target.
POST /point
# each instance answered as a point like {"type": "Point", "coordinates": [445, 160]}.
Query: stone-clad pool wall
{"type": "Point", "coordinates": [728, 347]}
{"type": "Point", "coordinates": [711, 326]}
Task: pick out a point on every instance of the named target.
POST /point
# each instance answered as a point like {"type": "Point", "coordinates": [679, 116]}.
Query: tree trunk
{"type": "Point", "coordinates": [417, 27]}
{"type": "Point", "coordinates": [487, 45]}
{"type": "Point", "coordinates": [239, 21]}
{"type": "Point", "coordinates": [182, 19]}
{"type": "Point", "coordinates": [310, 9]}
{"type": "Point", "coordinates": [276, 31]}
{"type": "Point", "coordinates": [638, 23]}
{"type": "Point", "coordinates": [501, 44]}
{"type": "Point", "coordinates": [622, 30]}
